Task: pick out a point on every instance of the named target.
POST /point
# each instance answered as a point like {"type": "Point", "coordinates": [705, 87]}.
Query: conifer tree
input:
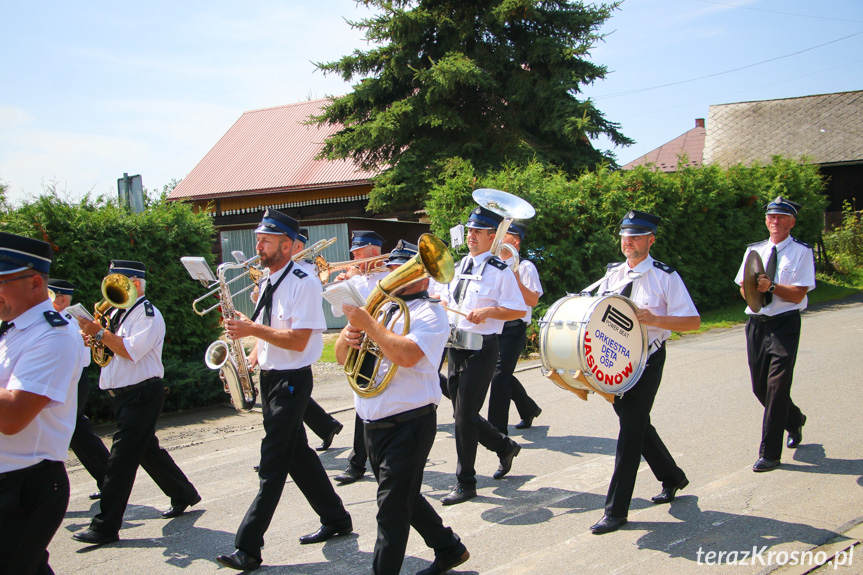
{"type": "Point", "coordinates": [493, 82]}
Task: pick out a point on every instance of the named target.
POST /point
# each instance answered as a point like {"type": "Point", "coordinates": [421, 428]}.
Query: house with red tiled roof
{"type": "Point", "coordinates": [826, 128]}
{"type": "Point", "coordinates": [267, 160]}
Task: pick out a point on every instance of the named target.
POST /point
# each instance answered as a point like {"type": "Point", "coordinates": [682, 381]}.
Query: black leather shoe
{"type": "Point", "coordinates": [441, 565]}
{"type": "Point", "coordinates": [668, 493]}
{"type": "Point", "coordinates": [794, 439]}
{"type": "Point", "coordinates": [95, 496]}
{"type": "Point", "coordinates": [459, 494]}
{"type": "Point", "coordinates": [328, 440]}
{"type": "Point", "coordinates": [239, 560]}
{"type": "Point", "coordinates": [528, 421]}
{"type": "Point", "coordinates": [765, 464]}
{"type": "Point", "coordinates": [350, 475]}
{"type": "Point", "coordinates": [506, 462]}
{"type": "Point", "coordinates": [176, 510]}
{"type": "Point", "coordinates": [95, 538]}
{"type": "Point", "coordinates": [327, 532]}
{"type": "Point", "coordinates": [257, 468]}
{"type": "Point", "coordinates": [608, 524]}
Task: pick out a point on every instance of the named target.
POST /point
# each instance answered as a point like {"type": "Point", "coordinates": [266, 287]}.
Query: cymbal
{"type": "Point", "coordinates": [751, 270]}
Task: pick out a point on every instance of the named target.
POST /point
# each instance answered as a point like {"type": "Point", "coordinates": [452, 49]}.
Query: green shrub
{"type": "Point", "coordinates": [845, 243]}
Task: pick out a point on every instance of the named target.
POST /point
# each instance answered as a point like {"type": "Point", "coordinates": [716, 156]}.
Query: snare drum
{"type": "Point", "coordinates": [599, 336]}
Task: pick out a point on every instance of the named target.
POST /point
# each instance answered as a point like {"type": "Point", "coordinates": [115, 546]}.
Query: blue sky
{"type": "Point", "coordinates": [95, 89]}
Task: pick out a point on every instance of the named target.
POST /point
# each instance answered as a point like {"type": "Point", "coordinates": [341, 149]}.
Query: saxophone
{"type": "Point", "coordinates": [229, 356]}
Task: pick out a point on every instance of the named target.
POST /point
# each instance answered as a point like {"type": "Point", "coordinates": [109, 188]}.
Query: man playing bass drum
{"type": "Point", "coordinates": [401, 422]}
{"type": "Point", "coordinates": [663, 305]}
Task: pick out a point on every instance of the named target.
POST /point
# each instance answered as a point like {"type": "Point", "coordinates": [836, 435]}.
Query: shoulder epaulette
{"type": "Point", "coordinates": [149, 309]}
{"type": "Point", "coordinates": [55, 319]}
{"type": "Point", "coordinates": [666, 268]}
{"type": "Point", "coordinates": [495, 262]}
{"type": "Point", "coordinates": [613, 265]}
{"type": "Point", "coordinates": [300, 273]}
{"type": "Point", "coordinates": [804, 244]}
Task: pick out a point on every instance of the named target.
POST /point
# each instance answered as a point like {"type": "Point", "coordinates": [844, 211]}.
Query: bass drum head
{"type": "Point", "coordinates": [614, 346]}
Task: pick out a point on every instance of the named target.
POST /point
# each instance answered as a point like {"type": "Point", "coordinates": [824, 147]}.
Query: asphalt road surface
{"type": "Point", "coordinates": [536, 519]}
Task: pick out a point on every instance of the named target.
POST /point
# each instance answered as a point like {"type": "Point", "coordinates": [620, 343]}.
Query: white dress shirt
{"type": "Point", "coordinates": [297, 304]}
{"type": "Point", "coordinates": [411, 387]}
{"type": "Point", "coordinates": [143, 337]}
{"type": "Point", "coordinates": [45, 360]}
{"type": "Point", "coordinates": [659, 290]}
{"type": "Point", "coordinates": [795, 266]}
{"type": "Point", "coordinates": [496, 288]}
{"type": "Point", "coordinates": [529, 279]}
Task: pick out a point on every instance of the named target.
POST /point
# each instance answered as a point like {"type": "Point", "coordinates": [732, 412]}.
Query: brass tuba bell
{"type": "Point", "coordinates": [432, 260]}
{"type": "Point", "coordinates": [117, 291]}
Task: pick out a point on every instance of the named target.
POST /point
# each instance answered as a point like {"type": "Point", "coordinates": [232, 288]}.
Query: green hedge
{"type": "Point", "coordinates": [86, 235]}
{"type": "Point", "coordinates": [710, 214]}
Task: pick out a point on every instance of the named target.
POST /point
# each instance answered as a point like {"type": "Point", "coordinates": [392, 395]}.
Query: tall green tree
{"type": "Point", "coordinates": [493, 82]}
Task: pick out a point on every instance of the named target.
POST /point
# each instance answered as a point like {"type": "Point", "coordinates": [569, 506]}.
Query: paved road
{"type": "Point", "coordinates": [536, 520]}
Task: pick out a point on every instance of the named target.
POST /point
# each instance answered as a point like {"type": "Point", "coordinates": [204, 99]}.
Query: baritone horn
{"type": "Point", "coordinates": [511, 208]}
{"type": "Point", "coordinates": [117, 291]}
{"type": "Point", "coordinates": [361, 366]}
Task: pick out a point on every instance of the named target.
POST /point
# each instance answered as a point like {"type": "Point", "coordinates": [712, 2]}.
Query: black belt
{"type": "Point", "coordinates": [123, 390]}
{"type": "Point", "coordinates": [768, 318]}
{"type": "Point", "coordinates": [392, 421]}
{"type": "Point", "coordinates": [15, 472]}
{"type": "Point", "coordinates": [270, 372]}
{"type": "Point", "coordinates": [513, 323]}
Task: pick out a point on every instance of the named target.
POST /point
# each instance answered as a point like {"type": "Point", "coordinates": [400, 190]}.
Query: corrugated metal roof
{"type": "Point", "coordinates": [665, 157]}
{"type": "Point", "coordinates": [828, 128]}
{"type": "Point", "coordinates": [269, 150]}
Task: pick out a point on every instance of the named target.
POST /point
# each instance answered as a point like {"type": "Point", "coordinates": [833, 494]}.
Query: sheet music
{"type": "Point", "coordinates": [198, 269]}
{"type": "Point", "coordinates": [78, 312]}
{"type": "Point", "coordinates": [343, 293]}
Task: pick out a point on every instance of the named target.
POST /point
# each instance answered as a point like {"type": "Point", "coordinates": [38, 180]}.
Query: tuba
{"type": "Point", "coordinates": [117, 291]}
{"type": "Point", "coordinates": [511, 208]}
{"type": "Point", "coordinates": [361, 366]}
{"type": "Point", "coordinates": [229, 357]}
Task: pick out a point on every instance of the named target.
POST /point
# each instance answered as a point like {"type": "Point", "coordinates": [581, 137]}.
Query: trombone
{"type": "Point", "coordinates": [313, 250]}
{"type": "Point", "coordinates": [326, 269]}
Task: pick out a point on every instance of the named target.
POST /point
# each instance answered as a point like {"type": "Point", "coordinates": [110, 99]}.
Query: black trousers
{"type": "Point", "coordinates": [469, 377]}
{"type": "Point", "coordinates": [397, 457]}
{"type": "Point", "coordinates": [33, 502]}
{"type": "Point", "coordinates": [358, 455]}
{"type": "Point", "coordinates": [86, 445]}
{"type": "Point", "coordinates": [319, 421]}
{"type": "Point", "coordinates": [639, 438]}
{"type": "Point", "coordinates": [135, 443]}
{"type": "Point", "coordinates": [285, 450]}
{"type": "Point", "coordinates": [505, 387]}
{"type": "Point", "coordinates": [772, 350]}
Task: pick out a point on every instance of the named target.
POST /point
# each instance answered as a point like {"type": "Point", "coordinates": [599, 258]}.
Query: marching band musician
{"type": "Point", "coordinates": [664, 306]}
{"type": "Point", "coordinates": [773, 335]}
{"type": "Point", "coordinates": [288, 323]}
{"type": "Point", "coordinates": [316, 417]}
{"type": "Point", "coordinates": [512, 340]}
{"type": "Point", "coordinates": [40, 359]}
{"type": "Point", "coordinates": [134, 381]}
{"type": "Point", "coordinates": [400, 423]}
{"type": "Point", "coordinates": [487, 292]}
{"type": "Point", "coordinates": [86, 445]}
{"type": "Point", "coordinates": [364, 276]}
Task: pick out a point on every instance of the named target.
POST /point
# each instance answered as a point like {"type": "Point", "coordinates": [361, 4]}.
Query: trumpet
{"type": "Point", "coordinates": [117, 291]}
{"type": "Point", "coordinates": [326, 269]}
{"type": "Point", "coordinates": [313, 250]}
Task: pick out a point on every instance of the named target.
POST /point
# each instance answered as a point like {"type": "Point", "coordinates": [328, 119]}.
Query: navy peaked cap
{"type": "Point", "coordinates": [128, 268]}
{"type": "Point", "coordinates": [18, 253]}
{"type": "Point", "coordinates": [483, 219]}
{"type": "Point", "coordinates": [637, 223]}
{"type": "Point", "coordinates": [782, 206]}
{"type": "Point", "coordinates": [403, 252]}
{"type": "Point", "coordinates": [61, 287]}
{"type": "Point", "coordinates": [303, 235]}
{"type": "Point", "coordinates": [517, 229]}
{"type": "Point", "coordinates": [277, 223]}
{"type": "Point", "coordinates": [363, 238]}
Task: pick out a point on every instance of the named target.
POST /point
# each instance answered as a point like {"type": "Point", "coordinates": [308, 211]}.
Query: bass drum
{"type": "Point", "coordinates": [597, 337]}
